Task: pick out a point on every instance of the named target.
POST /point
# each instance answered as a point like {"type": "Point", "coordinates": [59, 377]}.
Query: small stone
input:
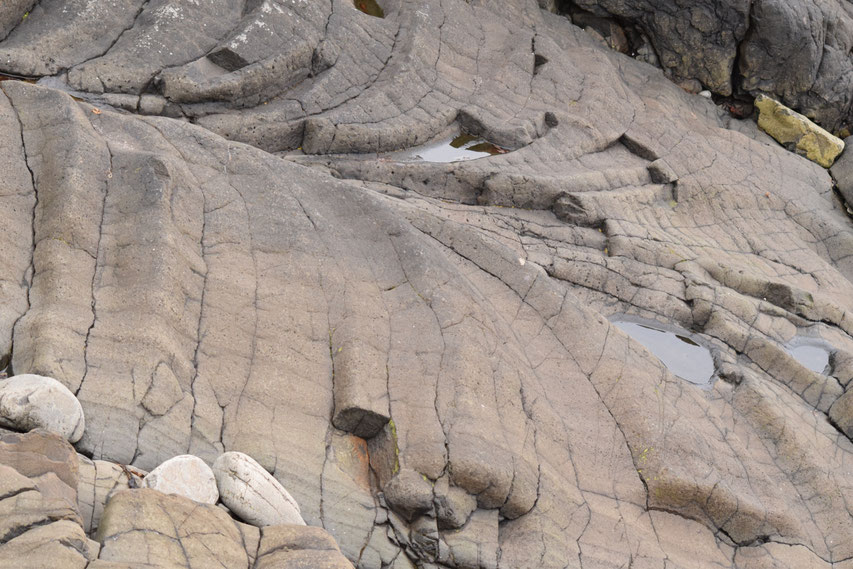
{"type": "Point", "coordinates": [30, 402]}
{"type": "Point", "coordinates": [185, 475]}
{"type": "Point", "coordinates": [252, 493]}
{"type": "Point", "coordinates": [409, 494]}
{"type": "Point", "coordinates": [691, 86]}
{"type": "Point", "coordinates": [453, 506]}
{"type": "Point", "coordinates": [706, 93]}
{"type": "Point", "coordinates": [151, 104]}
{"type": "Point", "coordinates": [797, 133]}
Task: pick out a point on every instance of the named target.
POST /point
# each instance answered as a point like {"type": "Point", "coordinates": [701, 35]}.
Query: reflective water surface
{"type": "Point", "coordinates": [370, 7]}
{"type": "Point", "coordinates": [813, 353]}
{"type": "Point", "coordinates": [462, 147]}
{"type": "Point", "coordinates": [678, 349]}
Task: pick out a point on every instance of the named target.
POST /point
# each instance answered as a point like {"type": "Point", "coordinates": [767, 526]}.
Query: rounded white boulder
{"type": "Point", "coordinates": [252, 493]}
{"type": "Point", "coordinates": [29, 401]}
{"type": "Point", "coordinates": [185, 475]}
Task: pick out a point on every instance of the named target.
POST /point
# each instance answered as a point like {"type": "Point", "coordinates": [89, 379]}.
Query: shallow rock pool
{"type": "Point", "coordinates": [679, 350]}
{"type": "Point", "coordinates": [457, 149]}
{"type": "Point", "coordinates": [813, 353]}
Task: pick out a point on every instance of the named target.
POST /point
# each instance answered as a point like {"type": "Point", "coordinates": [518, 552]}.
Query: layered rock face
{"type": "Point", "coordinates": [420, 351]}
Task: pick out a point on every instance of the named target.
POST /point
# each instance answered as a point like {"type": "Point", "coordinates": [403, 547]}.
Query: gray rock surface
{"type": "Point", "coordinates": [30, 402]}
{"type": "Point", "coordinates": [252, 493]}
{"type": "Point", "coordinates": [817, 78]}
{"type": "Point", "coordinates": [842, 172]}
{"type": "Point", "coordinates": [295, 547]}
{"type": "Point", "coordinates": [149, 528]}
{"type": "Point", "coordinates": [184, 475]}
{"type": "Point", "coordinates": [12, 13]}
{"type": "Point", "coordinates": [420, 352]}
{"type": "Point", "coordinates": [797, 51]}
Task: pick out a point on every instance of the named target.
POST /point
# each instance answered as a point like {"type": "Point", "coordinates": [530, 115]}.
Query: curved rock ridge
{"type": "Point", "coordinates": [420, 352]}
{"type": "Point", "coordinates": [282, 74]}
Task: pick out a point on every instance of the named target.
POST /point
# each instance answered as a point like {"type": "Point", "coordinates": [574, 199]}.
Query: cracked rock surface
{"type": "Point", "coordinates": [420, 352]}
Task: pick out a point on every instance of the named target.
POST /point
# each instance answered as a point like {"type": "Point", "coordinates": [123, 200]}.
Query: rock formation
{"type": "Point", "coordinates": [217, 238]}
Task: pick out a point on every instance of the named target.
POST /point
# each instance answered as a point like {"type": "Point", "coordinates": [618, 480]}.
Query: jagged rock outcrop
{"type": "Point", "coordinates": [420, 351]}
{"type": "Point", "coordinates": [798, 51]}
{"type": "Point", "coordinates": [40, 524]}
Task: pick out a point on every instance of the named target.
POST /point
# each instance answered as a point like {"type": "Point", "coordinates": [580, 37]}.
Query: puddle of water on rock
{"type": "Point", "coordinates": [462, 147]}
{"type": "Point", "coordinates": [370, 7]}
{"type": "Point", "coordinates": [677, 349]}
{"type": "Point", "coordinates": [813, 353]}
{"type": "Point", "coordinates": [7, 77]}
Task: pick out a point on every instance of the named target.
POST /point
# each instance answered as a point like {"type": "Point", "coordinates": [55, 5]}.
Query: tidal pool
{"type": "Point", "coordinates": [462, 147]}
{"type": "Point", "coordinates": [678, 349]}
{"type": "Point", "coordinates": [813, 353]}
{"type": "Point", "coordinates": [370, 7]}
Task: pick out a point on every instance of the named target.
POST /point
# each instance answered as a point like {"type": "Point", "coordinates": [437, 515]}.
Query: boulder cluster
{"type": "Point", "coordinates": [59, 508]}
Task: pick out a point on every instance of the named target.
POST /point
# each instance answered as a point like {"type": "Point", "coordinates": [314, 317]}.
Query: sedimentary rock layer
{"type": "Point", "coordinates": [418, 351]}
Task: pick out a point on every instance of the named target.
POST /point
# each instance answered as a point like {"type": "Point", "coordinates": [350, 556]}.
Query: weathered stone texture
{"type": "Point", "coordinates": [40, 524]}
{"type": "Point", "coordinates": [419, 352]}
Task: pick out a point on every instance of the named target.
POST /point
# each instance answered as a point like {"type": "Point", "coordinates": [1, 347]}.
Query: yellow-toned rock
{"type": "Point", "coordinates": [797, 133]}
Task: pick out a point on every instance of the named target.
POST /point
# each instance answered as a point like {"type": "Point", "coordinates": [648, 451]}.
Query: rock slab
{"type": "Point", "coordinates": [39, 519]}
{"type": "Point", "coordinates": [148, 527]}
{"type": "Point", "coordinates": [98, 481]}
{"type": "Point", "coordinates": [292, 547]}
{"type": "Point", "coordinates": [797, 133]}
{"type": "Point", "coordinates": [252, 493]}
{"type": "Point", "coordinates": [185, 475]}
{"type": "Point", "coordinates": [31, 401]}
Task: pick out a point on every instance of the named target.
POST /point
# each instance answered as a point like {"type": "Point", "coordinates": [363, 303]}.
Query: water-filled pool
{"type": "Point", "coordinates": [679, 350]}
{"type": "Point", "coordinates": [370, 7]}
{"type": "Point", "coordinates": [457, 149]}
{"type": "Point", "coordinates": [813, 353]}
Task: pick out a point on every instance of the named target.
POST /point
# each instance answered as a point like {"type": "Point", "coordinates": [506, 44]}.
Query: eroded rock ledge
{"type": "Point", "coordinates": [420, 351]}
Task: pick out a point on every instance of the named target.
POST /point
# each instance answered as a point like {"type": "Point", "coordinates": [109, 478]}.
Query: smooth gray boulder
{"type": "Point", "coordinates": [184, 475]}
{"type": "Point", "coordinates": [252, 493]}
{"type": "Point", "coordinates": [30, 402]}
